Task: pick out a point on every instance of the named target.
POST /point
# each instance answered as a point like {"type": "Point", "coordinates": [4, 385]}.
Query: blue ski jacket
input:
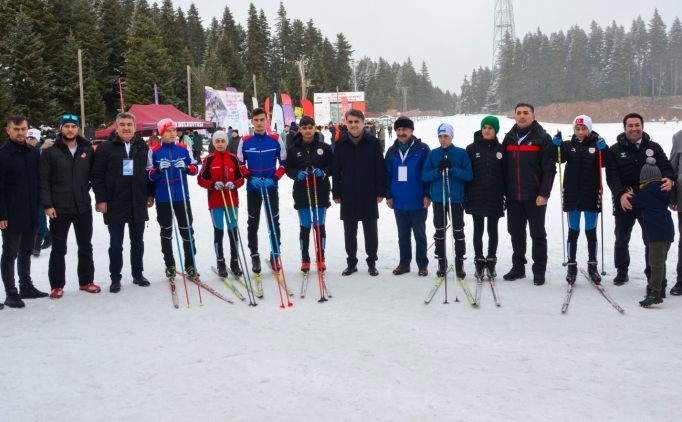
{"type": "Point", "coordinates": [459, 174]}
{"type": "Point", "coordinates": [171, 152]}
{"type": "Point", "coordinates": [408, 195]}
{"type": "Point", "coordinates": [259, 155]}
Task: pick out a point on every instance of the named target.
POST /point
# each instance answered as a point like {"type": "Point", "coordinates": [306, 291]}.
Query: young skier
{"type": "Point", "coordinates": [583, 155]}
{"type": "Point", "coordinates": [456, 161]}
{"type": "Point", "coordinates": [486, 191]}
{"type": "Point", "coordinates": [310, 158]}
{"type": "Point", "coordinates": [658, 225]}
{"type": "Point", "coordinates": [170, 164]}
{"type": "Point", "coordinates": [222, 177]}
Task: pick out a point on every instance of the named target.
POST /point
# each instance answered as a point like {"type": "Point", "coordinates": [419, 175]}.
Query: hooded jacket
{"type": "Point", "coordinates": [582, 175]}
{"type": "Point", "coordinates": [485, 193]}
{"type": "Point", "coordinates": [300, 158]}
{"type": "Point", "coordinates": [653, 202]}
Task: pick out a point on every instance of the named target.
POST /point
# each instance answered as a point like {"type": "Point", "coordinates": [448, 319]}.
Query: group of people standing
{"type": "Point", "coordinates": [484, 180]}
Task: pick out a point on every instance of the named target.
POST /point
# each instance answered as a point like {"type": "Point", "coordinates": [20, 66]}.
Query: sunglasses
{"type": "Point", "coordinates": [69, 117]}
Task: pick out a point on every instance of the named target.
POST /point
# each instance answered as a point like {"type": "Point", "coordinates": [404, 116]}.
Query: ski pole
{"type": "Point", "coordinates": [317, 254]}
{"type": "Point", "coordinates": [601, 208]}
{"type": "Point", "coordinates": [276, 245]}
{"type": "Point", "coordinates": [241, 246]}
{"type": "Point", "coordinates": [189, 234]}
{"type": "Point", "coordinates": [323, 280]}
{"type": "Point", "coordinates": [177, 236]}
{"type": "Point", "coordinates": [434, 242]}
{"type": "Point", "coordinates": [561, 189]}
{"type": "Point", "coordinates": [237, 241]}
{"type": "Point", "coordinates": [272, 248]}
{"type": "Point", "coordinates": [445, 253]}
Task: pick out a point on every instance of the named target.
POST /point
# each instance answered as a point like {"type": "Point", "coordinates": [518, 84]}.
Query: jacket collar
{"type": "Point", "coordinates": [478, 139]}
{"type": "Point", "coordinates": [80, 141]}
{"type": "Point", "coordinates": [625, 142]}
{"type": "Point", "coordinates": [14, 148]}
{"type": "Point", "coordinates": [298, 139]}
{"type": "Point", "coordinates": [416, 142]}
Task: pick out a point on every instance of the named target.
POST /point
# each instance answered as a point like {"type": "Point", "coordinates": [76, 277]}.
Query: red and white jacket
{"type": "Point", "coordinates": [221, 167]}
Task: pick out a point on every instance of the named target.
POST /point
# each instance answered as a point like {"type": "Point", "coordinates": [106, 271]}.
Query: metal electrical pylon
{"type": "Point", "coordinates": [504, 22]}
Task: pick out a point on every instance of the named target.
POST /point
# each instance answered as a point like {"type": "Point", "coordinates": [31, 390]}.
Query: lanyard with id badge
{"type": "Point", "coordinates": [127, 167]}
{"type": "Point", "coordinates": [402, 170]}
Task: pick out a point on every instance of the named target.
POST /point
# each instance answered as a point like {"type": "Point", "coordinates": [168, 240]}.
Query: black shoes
{"type": "Point", "coordinates": [141, 281]}
{"type": "Point", "coordinates": [255, 263]}
{"type": "Point", "coordinates": [13, 299]}
{"type": "Point", "coordinates": [515, 274]}
{"type": "Point", "coordinates": [538, 279]}
{"type": "Point", "coordinates": [621, 278]}
{"type": "Point", "coordinates": [47, 243]}
{"type": "Point", "coordinates": [115, 286]}
{"type": "Point", "coordinates": [677, 289]}
{"type": "Point", "coordinates": [350, 270]}
{"type": "Point", "coordinates": [28, 291]}
{"type": "Point", "coordinates": [373, 271]}
{"type": "Point", "coordinates": [572, 271]}
{"type": "Point", "coordinates": [651, 299]}
{"type": "Point", "coordinates": [222, 268]}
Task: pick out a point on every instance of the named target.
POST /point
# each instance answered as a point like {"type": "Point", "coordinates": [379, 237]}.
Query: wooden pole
{"type": "Point", "coordinates": [80, 82]}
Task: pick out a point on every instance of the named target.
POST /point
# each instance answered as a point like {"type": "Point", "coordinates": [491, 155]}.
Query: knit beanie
{"type": "Point", "coordinates": [69, 118]}
{"type": "Point", "coordinates": [492, 121]}
{"type": "Point", "coordinates": [403, 121]}
{"type": "Point", "coordinates": [650, 171]}
{"type": "Point", "coordinates": [164, 125]}
{"type": "Point", "coordinates": [219, 134]}
{"type": "Point", "coordinates": [447, 129]}
{"type": "Point", "coordinates": [583, 120]}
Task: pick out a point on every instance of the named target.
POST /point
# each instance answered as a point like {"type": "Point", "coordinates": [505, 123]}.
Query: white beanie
{"type": "Point", "coordinates": [583, 120]}
{"type": "Point", "coordinates": [446, 129]}
{"type": "Point", "coordinates": [33, 133]}
{"type": "Point", "coordinates": [219, 134]}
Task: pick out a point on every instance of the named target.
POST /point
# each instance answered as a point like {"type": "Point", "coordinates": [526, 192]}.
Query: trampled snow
{"type": "Point", "coordinates": [374, 352]}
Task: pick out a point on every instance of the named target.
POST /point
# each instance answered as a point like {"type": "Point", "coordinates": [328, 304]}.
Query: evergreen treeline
{"type": "Point", "coordinates": [145, 44]}
{"type": "Point", "coordinates": [611, 62]}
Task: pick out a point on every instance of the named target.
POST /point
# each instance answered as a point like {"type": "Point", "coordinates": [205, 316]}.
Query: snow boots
{"type": "Point", "coordinates": [652, 298]}
{"type": "Point", "coordinates": [572, 271]}
{"type": "Point", "coordinates": [677, 289]}
{"type": "Point", "coordinates": [480, 264]}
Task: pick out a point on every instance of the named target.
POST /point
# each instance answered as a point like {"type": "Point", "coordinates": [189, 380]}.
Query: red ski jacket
{"type": "Point", "coordinates": [221, 167]}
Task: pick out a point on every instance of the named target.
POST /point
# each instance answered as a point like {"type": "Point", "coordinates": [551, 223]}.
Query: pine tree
{"type": "Point", "coordinates": [675, 40]}
{"type": "Point", "coordinates": [233, 65]}
{"type": "Point", "coordinates": [128, 11]}
{"type": "Point", "coordinates": [112, 31]}
{"type": "Point", "coordinates": [557, 68]}
{"type": "Point", "coordinates": [658, 49]}
{"type": "Point", "coordinates": [255, 54]}
{"type": "Point", "coordinates": [341, 73]}
{"type": "Point", "coordinates": [409, 82]}
{"type": "Point", "coordinates": [213, 35]}
{"type": "Point", "coordinates": [196, 35]}
{"type": "Point", "coordinates": [466, 101]}
{"type": "Point", "coordinates": [638, 40]}
{"type": "Point", "coordinates": [578, 65]}
{"type": "Point", "coordinates": [215, 74]}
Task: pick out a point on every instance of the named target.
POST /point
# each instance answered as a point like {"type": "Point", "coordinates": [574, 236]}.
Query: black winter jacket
{"type": "Point", "coordinates": [19, 187]}
{"type": "Point", "coordinates": [65, 178]}
{"type": "Point", "coordinates": [359, 177]}
{"type": "Point", "coordinates": [299, 159]}
{"type": "Point", "coordinates": [126, 196]}
{"type": "Point", "coordinates": [485, 193]}
{"type": "Point", "coordinates": [582, 174]}
{"type": "Point", "coordinates": [531, 166]}
{"type": "Point", "coordinates": [625, 164]}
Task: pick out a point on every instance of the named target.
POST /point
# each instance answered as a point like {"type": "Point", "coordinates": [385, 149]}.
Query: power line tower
{"type": "Point", "coordinates": [504, 22]}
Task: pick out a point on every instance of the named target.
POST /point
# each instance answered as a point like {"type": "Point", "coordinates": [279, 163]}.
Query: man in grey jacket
{"type": "Point", "coordinates": [676, 204]}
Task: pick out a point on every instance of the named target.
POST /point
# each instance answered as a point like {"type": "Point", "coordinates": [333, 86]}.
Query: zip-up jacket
{"type": "Point", "coordinates": [221, 167]}
{"type": "Point", "coordinates": [531, 166]}
{"type": "Point", "coordinates": [259, 155]}
{"type": "Point", "coordinates": [65, 178]}
{"type": "Point", "coordinates": [653, 202]}
{"type": "Point", "coordinates": [626, 162]}
{"type": "Point", "coordinates": [319, 155]}
{"type": "Point", "coordinates": [408, 195]}
{"type": "Point", "coordinates": [485, 193]}
{"type": "Point", "coordinates": [172, 152]}
{"type": "Point", "coordinates": [582, 176]}
{"type": "Point", "coordinates": [458, 175]}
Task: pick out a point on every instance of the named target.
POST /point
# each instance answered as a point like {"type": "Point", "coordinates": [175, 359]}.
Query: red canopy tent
{"type": "Point", "coordinates": [147, 116]}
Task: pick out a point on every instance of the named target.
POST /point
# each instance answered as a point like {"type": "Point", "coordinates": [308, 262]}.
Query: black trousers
{"type": "Point", "coordinates": [350, 235]}
{"type": "Point", "coordinates": [116, 236]}
{"type": "Point", "coordinates": [165, 218]}
{"type": "Point", "coordinates": [254, 204]}
{"type": "Point", "coordinates": [457, 221]}
{"type": "Point", "coordinates": [621, 250]}
{"type": "Point", "coordinates": [493, 236]}
{"type": "Point", "coordinates": [520, 214]}
{"type": "Point", "coordinates": [16, 247]}
{"type": "Point", "coordinates": [82, 227]}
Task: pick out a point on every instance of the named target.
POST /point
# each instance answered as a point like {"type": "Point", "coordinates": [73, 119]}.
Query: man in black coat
{"type": "Point", "coordinates": [65, 195]}
{"type": "Point", "coordinates": [123, 193]}
{"type": "Point", "coordinates": [18, 211]}
{"type": "Point", "coordinates": [359, 185]}
{"type": "Point", "coordinates": [531, 166]}
{"type": "Point", "coordinates": [627, 157]}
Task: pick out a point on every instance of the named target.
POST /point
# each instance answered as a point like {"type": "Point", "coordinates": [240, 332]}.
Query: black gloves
{"type": "Point", "coordinates": [444, 164]}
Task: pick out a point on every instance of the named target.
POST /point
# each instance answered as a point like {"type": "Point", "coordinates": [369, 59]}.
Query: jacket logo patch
{"type": "Point", "coordinates": [622, 155]}
{"type": "Point", "coordinates": [498, 155]}
{"type": "Point", "coordinates": [592, 150]}
{"type": "Point", "coordinates": [319, 151]}
{"type": "Point", "coordinates": [83, 155]}
{"type": "Point", "coordinates": [649, 153]}
{"type": "Point", "coordinates": [298, 154]}
{"type": "Point", "coordinates": [573, 149]}
{"type": "Point", "coordinates": [478, 155]}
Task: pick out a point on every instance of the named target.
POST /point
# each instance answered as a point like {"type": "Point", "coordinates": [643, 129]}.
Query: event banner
{"type": "Point", "coordinates": [221, 107]}
{"type": "Point", "coordinates": [329, 106]}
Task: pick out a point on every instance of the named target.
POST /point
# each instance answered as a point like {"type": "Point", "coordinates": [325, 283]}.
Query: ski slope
{"type": "Point", "coordinates": [374, 352]}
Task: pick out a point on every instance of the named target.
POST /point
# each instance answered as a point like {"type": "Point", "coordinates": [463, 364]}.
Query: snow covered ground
{"type": "Point", "coordinates": [374, 352]}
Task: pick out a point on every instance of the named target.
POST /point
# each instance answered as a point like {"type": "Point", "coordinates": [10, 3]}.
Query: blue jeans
{"type": "Point", "coordinates": [116, 235]}
{"type": "Point", "coordinates": [410, 222]}
{"type": "Point", "coordinates": [42, 218]}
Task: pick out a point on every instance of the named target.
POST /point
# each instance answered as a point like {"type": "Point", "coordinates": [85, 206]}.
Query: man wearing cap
{"type": "Point", "coordinates": [18, 212]}
{"type": "Point", "coordinates": [407, 195]}
{"type": "Point", "coordinates": [122, 194]}
{"type": "Point", "coordinates": [64, 172]}
{"type": "Point", "coordinates": [626, 159]}
{"type": "Point", "coordinates": [531, 166]}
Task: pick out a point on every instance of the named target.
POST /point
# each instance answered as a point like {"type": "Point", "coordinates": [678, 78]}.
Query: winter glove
{"type": "Point", "coordinates": [163, 165]}
{"type": "Point", "coordinates": [230, 186]}
{"type": "Point", "coordinates": [256, 183]}
{"type": "Point", "coordinates": [601, 144]}
{"type": "Point", "coordinates": [218, 186]}
{"type": "Point", "coordinates": [180, 165]}
{"type": "Point", "coordinates": [268, 182]}
{"type": "Point", "coordinates": [319, 173]}
{"type": "Point", "coordinates": [302, 175]}
{"type": "Point", "coordinates": [444, 165]}
{"type": "Point", "coordinates": [556, 141]}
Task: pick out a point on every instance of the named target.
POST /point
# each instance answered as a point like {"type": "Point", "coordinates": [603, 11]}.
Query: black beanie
{"type": "Point", "coordinates": [403, 122]}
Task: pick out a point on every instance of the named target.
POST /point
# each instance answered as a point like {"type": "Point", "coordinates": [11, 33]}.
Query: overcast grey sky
{"type": "Point", "coordinates": [452, 37]}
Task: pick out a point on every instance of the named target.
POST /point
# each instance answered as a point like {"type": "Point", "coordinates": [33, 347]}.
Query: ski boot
{"type": "Point", "coordinates": [459, 267]}
{"type": "Point", "coordinates": [652, 298]}
{"type": "Point", "coordinates": [572, 272]}
{"type": "Point", "coordinates": [490, 262]}
{"type": "Point", "coordinates": [305, 266]}
{"type": "Point", "coordinates": [234, 267]}
{"type": "Point", "coordinates": [255, 263]}
{"type": "Point", "coordinates": [442, 267]}
{"type": "Point", "coordinates": [479, 262]}
{"type": "Point", "coordinates": [593, 272]}
{"type": "Point", "coordinates": [170, 272]}
{"type": "Point", "coordinates": [191, 272]}
{"type": "Point", "coordinates": [222, 268]}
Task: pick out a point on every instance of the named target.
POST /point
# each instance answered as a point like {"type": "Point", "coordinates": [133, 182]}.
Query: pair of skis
{"type": "Point", "coordinates": [598, 286]}
{"type": "Point", "coordinates": [197, 281]}
{"type": "Point", "coordinates": [493, 288]}
{"type": "Point", "coordinates": [240, 280]}
{"type": "Point", "coordinates": [304, 284]}
{"type": "Point", "coordinates": [439, 282]}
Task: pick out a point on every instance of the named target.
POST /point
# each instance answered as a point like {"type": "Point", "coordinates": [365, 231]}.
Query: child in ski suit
{"type": "Point", "coordinates": [221, 176]}
{"type": "Point", "coordinates": [171, 163]}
